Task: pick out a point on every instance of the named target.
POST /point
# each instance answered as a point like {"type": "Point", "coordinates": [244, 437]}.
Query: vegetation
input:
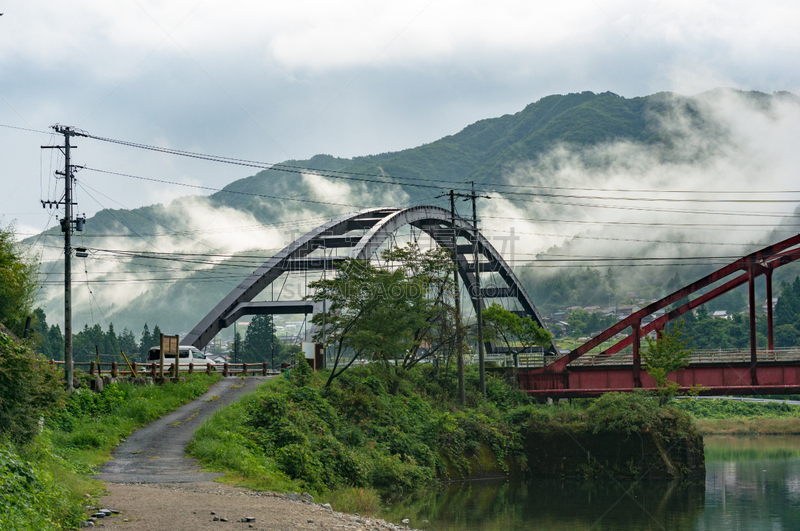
{"type": "Point", "coordinates": [50, 442]}
{"type": "Point", "coordinates": [663, 356]}
{"type": "Point", "coordinates": [395, 318]}
{"type": "Point", "coordinates": [517, 333]}
{"type": "Point", "coordinates": [734, 417]}
{"type": "Point", "coordinates": [29, 390]}
{"type": "Point", "coordinates": [18, 282]}
{"type": "Point", "coordinates": [261, 344]}
{"type": "Point", "coordinates": [354, 439]}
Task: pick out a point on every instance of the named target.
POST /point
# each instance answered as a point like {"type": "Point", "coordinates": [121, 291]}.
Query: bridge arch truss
{"type": "Point", "coordinates": [363, 233]}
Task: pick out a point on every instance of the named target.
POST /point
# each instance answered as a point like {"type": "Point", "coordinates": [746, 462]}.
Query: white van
{"type": "Point", "coordinates": [188, 354]}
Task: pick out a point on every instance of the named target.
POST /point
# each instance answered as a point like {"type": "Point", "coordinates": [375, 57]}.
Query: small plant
{"type": "Point", "coordinates": [664, 356]}
{"type": "Point", "coordinates": [302, 375]}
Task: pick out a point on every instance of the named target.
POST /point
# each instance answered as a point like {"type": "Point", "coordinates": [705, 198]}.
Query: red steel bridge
{"type": "Point", "coordinates": [589, 371]}
{"type": "Point", "coordinates": [585, 371]}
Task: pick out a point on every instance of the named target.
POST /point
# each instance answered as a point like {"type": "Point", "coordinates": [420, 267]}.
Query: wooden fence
{"type": "Point", "coordinates": [152, 369]}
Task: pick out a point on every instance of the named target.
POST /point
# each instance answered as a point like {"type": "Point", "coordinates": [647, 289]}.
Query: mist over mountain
{"type": "Point", "coordinates": [579, 176]}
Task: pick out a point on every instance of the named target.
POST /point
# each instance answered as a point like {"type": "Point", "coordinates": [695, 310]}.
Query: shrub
{"type": "Point", "coordinates": [29, 390]}
{"type": "Point", "coordinates": [626, 412]}
{"type": "Point", "coordinates": [30, 498]}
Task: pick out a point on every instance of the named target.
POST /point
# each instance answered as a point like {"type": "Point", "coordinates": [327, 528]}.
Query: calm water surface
{"type": "Point", "coordinates": [751, 484]}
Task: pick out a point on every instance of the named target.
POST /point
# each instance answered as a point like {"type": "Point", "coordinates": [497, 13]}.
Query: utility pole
{"type": "Point", "coordinates": [67, 227]}
{"type": "Point", "coordinates": [479, 305]}
{"type": "Point", "coordinates": [462, 395]}
{"type": "Point", "coordinates": [272, 339]}
{"type": "Point", "coordinates": [477, 296]}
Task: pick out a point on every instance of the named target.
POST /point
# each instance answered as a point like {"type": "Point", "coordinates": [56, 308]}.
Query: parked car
{"type": "Point", "coordinates": [188, 354]}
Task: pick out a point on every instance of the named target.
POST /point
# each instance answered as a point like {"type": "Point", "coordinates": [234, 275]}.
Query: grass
{"type": "Point", "coordinates": [749, 426]}
{"type": "Point", "coordinates": [729, 417]}
{"type": "Point", "coordinates": [44, 484]}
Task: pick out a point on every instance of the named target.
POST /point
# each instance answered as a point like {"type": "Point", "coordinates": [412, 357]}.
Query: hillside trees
{"type": "Point", "coordinates": [49, 339]}
{"type": "Point", "coordinates": [394, 316]}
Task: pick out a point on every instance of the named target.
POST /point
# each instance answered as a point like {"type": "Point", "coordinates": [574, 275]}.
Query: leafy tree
{"type": "Point", "coordinates": [29, 389]}
{"type": "Point", "coordinates": [260, 342]}
{"type": "Point", "coordinates": [664, 356]}
{"type": "Point", "coordinates": [18, 282]}
{"type": "Point", "coordinates": [582, 322]}
{"type": "Point", "coordinates": [394, 315]}
{"type": "Point", "coordinates": [786, 336]}
{"type": "Point", "coordinates": [517, 333]}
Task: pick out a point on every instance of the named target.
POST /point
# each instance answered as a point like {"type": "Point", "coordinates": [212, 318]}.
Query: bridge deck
{"type": "Point", "coordinates": [713, 372]}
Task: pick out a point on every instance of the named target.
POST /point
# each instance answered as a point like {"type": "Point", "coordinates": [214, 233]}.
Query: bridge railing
{"type": "Point", "coordinates": [698, 357]}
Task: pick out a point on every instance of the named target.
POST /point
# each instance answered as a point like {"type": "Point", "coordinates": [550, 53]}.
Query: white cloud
{"type": "Point", "coordinates": [750, 150]}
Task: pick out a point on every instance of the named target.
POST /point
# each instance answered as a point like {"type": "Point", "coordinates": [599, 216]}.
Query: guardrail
{"type": "Point", "coordinates": [698, 357]}
{"type": "Point", "coordinates": [152, 369]}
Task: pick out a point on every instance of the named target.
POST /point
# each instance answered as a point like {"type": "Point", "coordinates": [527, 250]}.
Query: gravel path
{"type": "Point", "coordinates": [155, 453]}
{"type": "Point", "coordinates": [193, 506]}
{"type": "Point", "coordinates": [153, 486]}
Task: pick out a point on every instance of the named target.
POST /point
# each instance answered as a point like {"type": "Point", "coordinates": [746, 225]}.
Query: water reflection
{"type": "Point", "coordinates": [552, 504]}
{"type": "Point", "coordinates": [751, 484]}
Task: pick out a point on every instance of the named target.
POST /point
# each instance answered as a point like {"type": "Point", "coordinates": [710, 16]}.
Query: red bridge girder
{"type": "Point", "coordinates": [713, 379]}
{"type": "Point", "coordinates": [558, 377]}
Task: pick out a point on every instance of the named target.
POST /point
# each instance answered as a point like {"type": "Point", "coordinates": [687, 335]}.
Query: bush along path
{"type": "Point", "coordinates": [355, 442]}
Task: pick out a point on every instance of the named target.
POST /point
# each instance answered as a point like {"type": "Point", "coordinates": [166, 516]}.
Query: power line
{"type": "Point", "coordinates": [440, 184]}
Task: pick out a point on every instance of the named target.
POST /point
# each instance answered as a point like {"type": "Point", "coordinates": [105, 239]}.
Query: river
{"type": "Point", "coordinates": [752, 483]}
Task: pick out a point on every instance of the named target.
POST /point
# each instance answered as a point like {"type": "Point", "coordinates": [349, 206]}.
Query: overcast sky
{"type": "Point", "coordinates": [272, 81]}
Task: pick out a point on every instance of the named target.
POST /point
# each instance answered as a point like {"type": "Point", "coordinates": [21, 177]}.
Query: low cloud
{"type": "Point", "coordinates": [621, 204]}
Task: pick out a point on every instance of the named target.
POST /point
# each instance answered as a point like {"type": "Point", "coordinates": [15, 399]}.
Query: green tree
{"type": "Point", "coordinates": [29, 389]}
{"type": "Point", "coordinates": [127, 343]}
{"type": "Point", "coordinates": [48, 339]}
{"type": "Point", "coordinates": [156, 337]}
{"type": "Point", "coordinates": [260, 342]}
{"type": "Point", "coordinates": [393, 315]}
{"type": "Point", "coordinates": [787, 310]}
{"type": "Point", "coordinates": [664, 356]}
{"type": "Point", "coordinates": [516, 333]}
{"type": "Point", "coordinates": [18, 282]}
{"type": "Point", "coordinates": [146, 342]}
{"type": "Point", "coordinates": [237, 346]}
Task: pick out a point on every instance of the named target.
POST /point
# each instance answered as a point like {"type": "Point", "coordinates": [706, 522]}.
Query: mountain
{"type": "Point", "coordinates": [542, 138]}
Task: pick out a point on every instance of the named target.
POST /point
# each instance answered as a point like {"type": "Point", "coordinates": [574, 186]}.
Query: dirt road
{"type": "Point", "coordinates": [155, 453]}
{"type": "Point", "coordinates": [155, 487]}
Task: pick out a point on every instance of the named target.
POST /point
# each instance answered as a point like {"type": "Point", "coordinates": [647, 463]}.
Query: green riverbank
{"type": "Point", "coordinates": [729, 417]}
{"type": "Point", "coordinates": [356, 442]}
